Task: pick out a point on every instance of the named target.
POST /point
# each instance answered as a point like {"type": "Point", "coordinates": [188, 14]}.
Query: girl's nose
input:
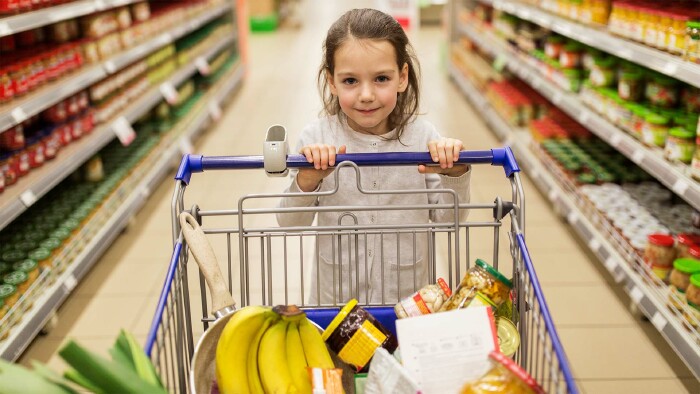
{"type": "Point", "coordinates": [366, 93]}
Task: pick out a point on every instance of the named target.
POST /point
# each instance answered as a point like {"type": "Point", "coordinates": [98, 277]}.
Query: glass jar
{"type": "Point", "coordinates": [603, 71]}
{"type": "Point", "coordinates": [505, 376]}
{"type": "Point", "coordinates": [630, 85]}
{"type": "Point", "coordinates": [481, 277]}
{"type": "Point", "coordinates": [680, 145]}
{"type": "Point", "coordinates": [690, 99]}
{"type": "Point", "coordinates": [553, 46]}
{"type": "Point", "coordinates": [692, 41]}
{"type": "Point", "coordinates": [659, 254]}
{"type": "Point", "coordinates": [676, 34]}
{"type": "Point", "coordinates": [8, 293]}
{"type": "Point", "coordinates": [18, 279]}
{"type": "Point", "coordinates": [570, 55]}
{"type": "Point", "coordinates": [684, 244]}
{"type": "Point", "coordinates": [692, 294]}
{"type": "Point", "coordinates": [663, 29]}
{"type": "Point", "coordinates": [662, 91]}
{"type": "Point", "coordinates": [655, 129]}
{"type": "Point", "coordinates": [29, 267]}
{"type": "Point", "coordinates": [679, 279]}
{"type": "Point", "coordinates": [427, 300]}
{"type": "Point", "coordinates": [42, 256]}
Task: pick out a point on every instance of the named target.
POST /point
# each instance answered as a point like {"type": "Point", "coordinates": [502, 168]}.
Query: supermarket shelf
{"type": "Point", "coordinates": [32, 322]}
{"type": "Point", "coordinates": [634, 52]}
{"type": "Point", "coordinates": [17, 198]}
{"type": "Point", "coordinates": [46, 16]}
{"type": "Point", "coordinates": [644, 296]}
{"type": "Point", "coordinates": [674, 176]}
{"type": "Point", "coordinates": [22, 109]}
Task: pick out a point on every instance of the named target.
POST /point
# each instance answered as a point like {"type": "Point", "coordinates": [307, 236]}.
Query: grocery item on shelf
{"type": "Point", "coordinates": [660, 254]}
{"type": "Point", "coordinates": [679, 280]}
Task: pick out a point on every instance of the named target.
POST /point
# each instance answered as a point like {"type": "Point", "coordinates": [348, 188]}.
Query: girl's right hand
{"type": "Point", "coordinates": [322, 156]}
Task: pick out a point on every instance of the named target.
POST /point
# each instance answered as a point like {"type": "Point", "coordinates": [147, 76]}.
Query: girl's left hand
{"type": "Point", "coordinates": [446, 152]}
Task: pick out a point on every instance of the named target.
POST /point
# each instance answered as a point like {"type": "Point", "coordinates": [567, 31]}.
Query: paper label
{"type": "Point", "coordinates": [28, 198]}
{"type": "Point", "coordinates": [594, 245]}
{"type": "Point", "coordinates": [387, 375]}
{"type": "Point", "coordinates": [215, 111]}
{"type": "Point", "coordinates": [659, 321]}
{"type": "Point", "coordinates": [456, 351]}
{"type": "Point", "coordinates": [638, 156]}
{"type": "Point", "coordinates": [670, 69]}
{"type": "Point", "coordinates": [19, 115]}
{"type": "Point", "coordinates": [636, 294]}
{"type": "Point", "coordinates": [122, 128]}
{"type": "Point", "coordinates": [680, 187]}
{"type": "Point", "coordinates": [110, 67]}
{"type": "Point", "coordinates": [615, 140]}
{"type": "Point", "coordinates": [70, 283]}
{"type": "Point", "coordinates": [362, 345]}
{"type": "Point", "coordinates": [611, 264]}
{"type": "Point", "coordinates": [5, 29]}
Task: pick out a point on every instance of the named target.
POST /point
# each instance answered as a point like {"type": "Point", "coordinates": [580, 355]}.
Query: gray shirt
{"type": "Point", "coordinates": [398, 259]}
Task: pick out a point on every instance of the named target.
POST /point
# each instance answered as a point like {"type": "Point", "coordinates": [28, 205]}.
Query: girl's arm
{"type": "Point", "coordinates": [448, 175]}
{"type": "Point", "coordinates": [296, 218]}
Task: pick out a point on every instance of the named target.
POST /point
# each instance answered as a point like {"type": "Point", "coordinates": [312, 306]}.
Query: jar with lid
{"type": "Point", "coordinates": [679, 279]}
{"type": "Point", "coordinates": [651, 26]}
{"type": "Point", "coordinates": [7, 90]}
{"type": "Point", "coordinates": [29, 267]}
{"type": "Point", "coordinates": [427, 300]}
{"type": "Point", "coordinates": [630, 84]}
{"type": "Point", "coordinates": [692, 41]}
{"type": "Point", "coordinates": [603, 71]}
{"type": "Point", "coordinates": [481, 277]}
{"type": "Point", "coordinates": [680, 145]}
{"type": "Point", "coordinates": [676, 33]}
{"type": "Point", "coordinates": [659, 254]}
{"type": "Point", "coordinates": [504, 376]}
{"type": "Point", "coordinates": [553, 46]}
{"type": "Point", "coordinates": [8, 294]}
{"type": "Point", "coordinates": [655, 129]}
{"type": "Point", "coordinates": [570, 55]}
{"type": "Point", "coordinates": [692, 295]}
{"type": "Point", "coordinates": [13, 138]}
{"type": "Point", "coordinates": [662, 91]}
{"type": "Point", "coordinates": [18, 279]}
{"type": "Point", "coordinates": [664, 27]}
{"type": "Point", "coordinates": [684, 243]}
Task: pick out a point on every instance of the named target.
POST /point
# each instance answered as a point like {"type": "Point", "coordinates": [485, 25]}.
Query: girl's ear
{"type": "Point", "coordinates": [331, 84]}
{"type": "Point", "coordinates": [403, 78]}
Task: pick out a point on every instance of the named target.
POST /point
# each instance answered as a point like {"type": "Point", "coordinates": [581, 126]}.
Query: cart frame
{"type": "Point", "coordinates": [170, 342]}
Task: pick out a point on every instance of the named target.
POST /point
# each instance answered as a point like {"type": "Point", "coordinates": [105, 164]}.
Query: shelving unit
{"type": "Point", "coordinates": [30, 20]}
{"type": "Point", "coordinates": [52, 297]}
{"type": "Point", "coordinates": [674, 176]}
{"type": "Point", "coordinates": [22, 195]}
{"type": "Point", "coordinates": [20, 110]}
{"type": "Point", "coordinates": [649, 299]}
{"type": "Point", "coordinates": [654, 59]}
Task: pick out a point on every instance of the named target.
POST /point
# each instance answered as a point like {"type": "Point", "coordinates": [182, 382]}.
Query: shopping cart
{"type": "Point", "coordinates": [268, 264]}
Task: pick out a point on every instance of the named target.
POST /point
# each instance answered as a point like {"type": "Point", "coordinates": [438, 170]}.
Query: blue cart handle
{"type": "Point", "coordinates": [197, 163]}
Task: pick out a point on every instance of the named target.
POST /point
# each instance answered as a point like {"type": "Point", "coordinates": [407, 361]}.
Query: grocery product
{"type": "Point", "coordinates": [692, 294]}
{"type": "Point", "coordinates": [354, 335]}
{"type": "Point", "coordinates": [630, 84]}
{"type": "Point", "coordinates": [662, 91]}
{"type": "Point", "coordinates": [29, 267]}
{"type": "Point", "coordinates": [9, 295]}
{"type": "Point", "coordinates": [692, 42]}
{"type": "Point", "coordinates": [426, 300]}
{"type": "Point", "coordinates": [18, 279]}
{"type": "Point", "coordinates": [680, 145]}
{"type": "Point", "coordinates": [508, 336]}
{"type": "Point", "coordinates": [685, 242]}
{"type": "Point", "coordinates": [602, 72]}
{"type": "Point", "coordinates": [655, 129]}
{"type": "Point", "coordinates": [505, 376]}
{"type": "Point", "coordinates": [679, 279]}
{"type": "Point", "coordinates": [483, 278]}
{"type": "Point", "coordinates": [659, 254]}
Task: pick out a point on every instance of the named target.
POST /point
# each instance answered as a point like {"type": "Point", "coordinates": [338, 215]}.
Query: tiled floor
{"type": "Point", "coordinates": [610, 350]}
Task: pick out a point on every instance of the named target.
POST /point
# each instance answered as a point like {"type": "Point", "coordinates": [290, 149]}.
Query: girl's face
{"type": "Point", "coordinates": [366, 81]}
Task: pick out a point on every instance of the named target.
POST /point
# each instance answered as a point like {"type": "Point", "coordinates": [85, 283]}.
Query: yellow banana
{"type": "Point", "coordinates": [272, 361]}
{"type": "Point", "coordinates": [296, 359]}
{"type": "Point", "coordinates": [254, 384]}
{"type": "Point", "coordinates": [315, 349]}
{"type": "Point", "coordinates": [234, 345]}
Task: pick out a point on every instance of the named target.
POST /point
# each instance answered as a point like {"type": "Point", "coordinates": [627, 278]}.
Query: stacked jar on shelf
{"type": "Point", "coordinates": [13, 7]}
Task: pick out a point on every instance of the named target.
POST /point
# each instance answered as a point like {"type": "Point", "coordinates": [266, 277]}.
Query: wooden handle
{"type": "Point", "coordinates": [208, 265]}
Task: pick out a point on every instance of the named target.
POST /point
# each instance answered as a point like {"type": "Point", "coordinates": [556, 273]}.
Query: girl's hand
{"type": "Point", "coordinates": [322, 156]}
{"type": "Point", "coordinates": [446, 152]}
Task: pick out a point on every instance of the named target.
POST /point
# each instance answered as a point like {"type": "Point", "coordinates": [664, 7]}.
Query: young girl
{"type": "Point", "coordinates": [369, 84]}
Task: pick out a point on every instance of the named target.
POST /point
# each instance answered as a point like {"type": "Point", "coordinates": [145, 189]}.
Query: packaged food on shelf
{"type": "Point", "coordinates": [427, 300]}
{"type": "Point", "coordinates": [679, 280]}
{"type": "Point", "coordinates": [662, 90]}
{"type": "Point", "coordinates": [140, 11]}
{"type": "Point", "coordinates": [692, 295]}
{"type": "Point", "coordinates": [630, 85]}
{"type": "Point", "coordinates": [505, 376]}
{"type": "Point", "coordinates": [18, 279]}
{"type": "Point", "coordinates": [659, 254]}
{"type": "Point", "coordinates": [602, 72]}
{"type": "Point", "coordinates": [8, 293]}
{"type": "Point", "coordinates": [685, 242]}
{"type": "Point", "coordinates": [655, 129]}
{"type": "Point", "coordinates": [354, 334]}
{"type": "Point", "coordinates": [692, 42]}
{"type": "Point", "coordinates": [481, 277]}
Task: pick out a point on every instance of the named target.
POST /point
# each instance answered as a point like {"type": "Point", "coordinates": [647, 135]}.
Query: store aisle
{"type": "Point", "coordinates": [609, 349]}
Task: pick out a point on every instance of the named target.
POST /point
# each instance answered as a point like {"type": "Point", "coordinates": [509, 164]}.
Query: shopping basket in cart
{"type": "Point", "coordinates": [268, 264]}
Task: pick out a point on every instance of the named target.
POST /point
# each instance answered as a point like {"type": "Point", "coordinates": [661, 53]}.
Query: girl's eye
{"type": "Point", "coordinates": [349, 81]}
{"type": "Point", "coordinates": [382, 78]}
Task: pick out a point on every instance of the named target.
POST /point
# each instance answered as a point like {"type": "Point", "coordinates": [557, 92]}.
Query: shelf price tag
{"type": "Point", "coordinates": [19, 115]}
{"type": "Point", "coordinates": [28, 198]}
{"type": "Point", "coordinates": [203, 66]}
{"type": "Point", "coordinates": [110, 67]}
{"type": "Point", "coordinates": [100, 5]}
{"type": "Point", "coordinates": [553, 195]}
{"type": "Point", "coordinates": [5, 29]}
{"type": "Point", "coordinates": [670, 69]}
{"type": "Point", "coordinates": [659, 321]}
{"type": "Point", "coordinates": [499, 64]}
{"type": "Point", "coordinates": [594, 245]}
{"type": "Point", "coordinates": [122, 128]}
{"type": "Point", "coordinates": [638, 156]}
{"type": "Point", "coordinates": [611, 264]}
{"type": "Point", "coordinates": [615, 140]}
{"type": "Point", "coordinates": [169, 93]}
{"type": "Point", "coordinates": [636, 295]}
{"type": "Point", "coordinates": [572, 218]}
{"type": "Point", "coordinates": [680, 187]}
{"type": "Point", "coordinates": [215, 111]}
{"type": "Point", "coordinates": [70, 283]}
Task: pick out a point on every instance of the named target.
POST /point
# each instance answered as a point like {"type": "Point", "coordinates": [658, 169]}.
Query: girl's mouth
{"type": "Point", "coordinates": [367, 111]}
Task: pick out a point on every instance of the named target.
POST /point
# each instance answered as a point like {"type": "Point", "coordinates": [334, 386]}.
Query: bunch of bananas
{"type": "Point", "coordinates": [269, 350]}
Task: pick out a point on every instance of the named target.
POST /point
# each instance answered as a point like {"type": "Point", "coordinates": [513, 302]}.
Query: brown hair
{"type": "Point", "coordinates": [374, 25]}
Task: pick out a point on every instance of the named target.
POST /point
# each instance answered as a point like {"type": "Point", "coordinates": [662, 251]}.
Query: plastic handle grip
{"type": "Point", "coordinates": [196, 163]}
